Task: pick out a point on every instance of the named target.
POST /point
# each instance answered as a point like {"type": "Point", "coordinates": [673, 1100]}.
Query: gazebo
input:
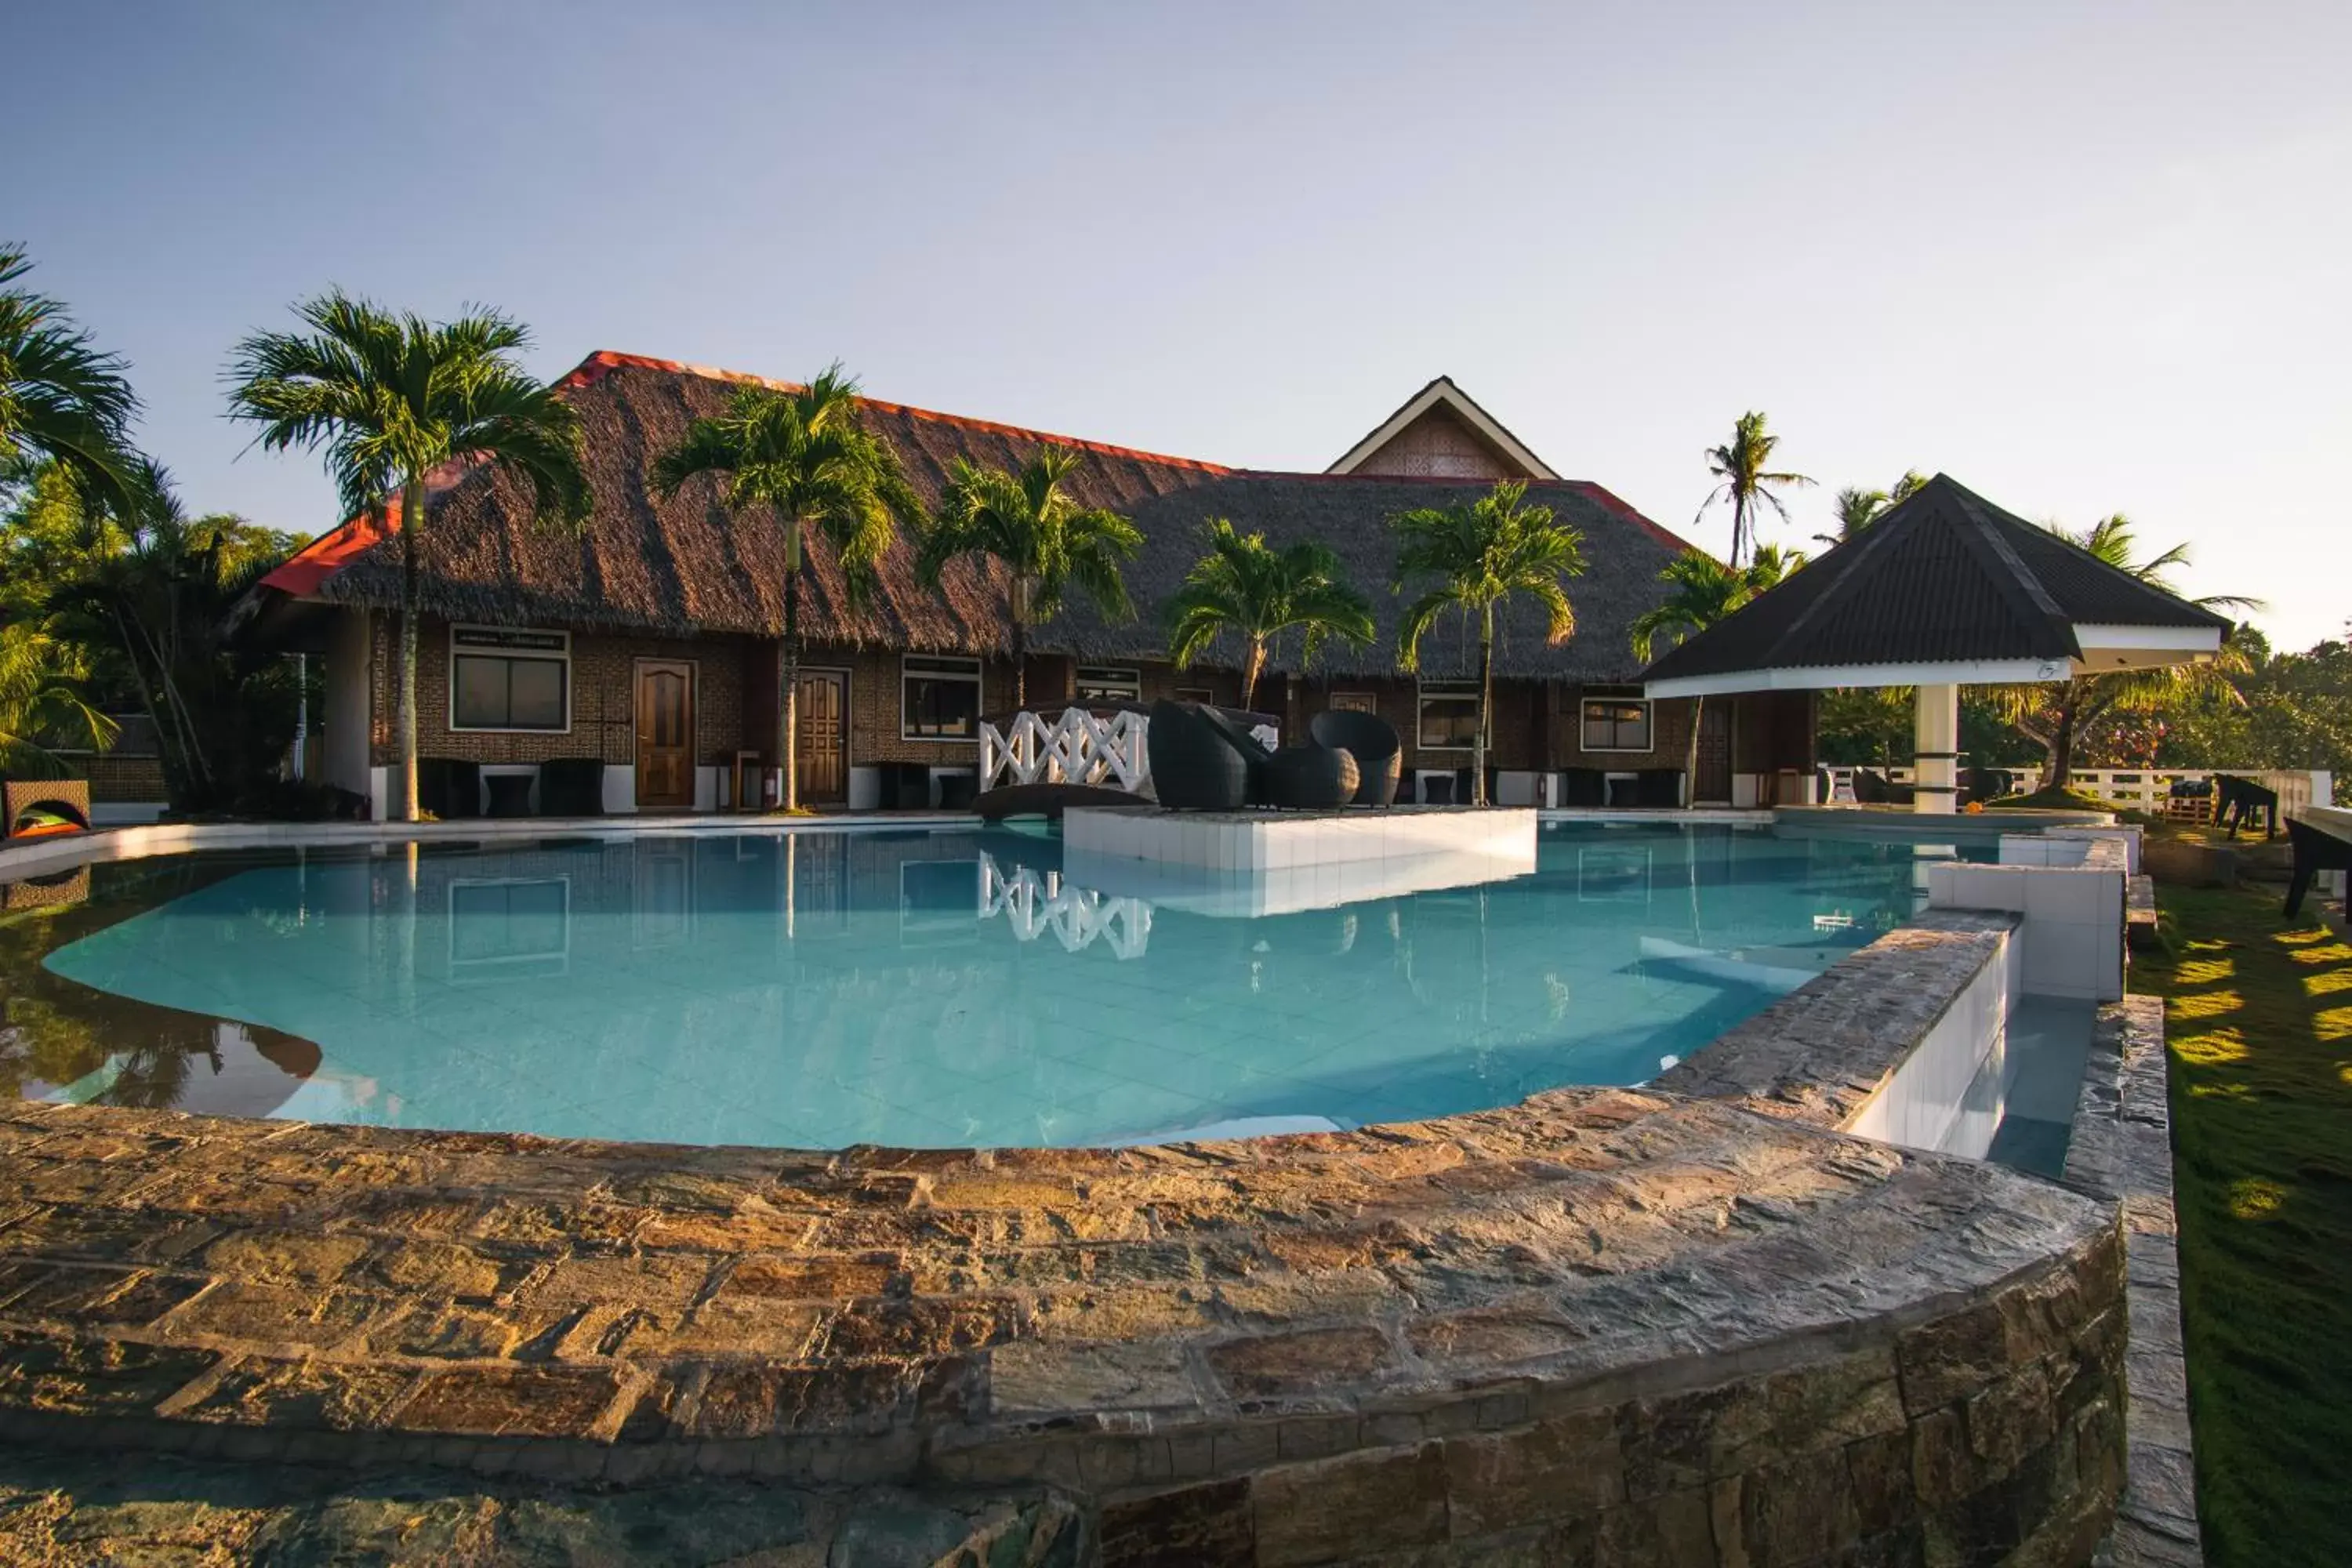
{"type": "Point", "coordinates": [1944, 590]}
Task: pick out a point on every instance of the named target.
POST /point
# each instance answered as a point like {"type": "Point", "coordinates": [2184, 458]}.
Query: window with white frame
{"type": "Point", "coordinates": [1110, 683]}
{"type": "Point", "coordinates": [502, 677]}
{"type": "Point", "coordinates": [938, 698]}
{"type": "Point", "coordinates": [1448, 717]}
{"type": "Point", "coordinates": [1615, 724]}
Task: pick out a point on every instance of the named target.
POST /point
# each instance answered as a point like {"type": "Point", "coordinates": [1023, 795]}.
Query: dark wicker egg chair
{"type": "Point", "coordinates": [1196, 766]}
{"type": "Point", "coordinates": [1372, 742]}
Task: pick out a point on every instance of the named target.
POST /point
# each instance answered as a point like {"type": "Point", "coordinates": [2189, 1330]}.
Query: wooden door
{"type": "Point", "coordinates": [822, 753]}
{"type": "Point", "coordinates": [664, 735]}
{"type": "Point", "coordinates": [1713, 782]}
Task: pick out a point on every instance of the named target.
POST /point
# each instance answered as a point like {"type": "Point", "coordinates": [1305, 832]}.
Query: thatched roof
{"type": "Point", "coordinates": [1947, 582]}
{"type": "Point", "coordinates": [685, 566]}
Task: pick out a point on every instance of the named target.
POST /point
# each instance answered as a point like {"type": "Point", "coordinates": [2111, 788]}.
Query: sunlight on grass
{"type": "Point", "coordinates": [2327, 981]}
{"type": "Point", "coordinates": [2299, 938]}
{"type": "Point", "coordinates": [2255, 1198]}
{"type": "Point", "coordinates": [2335, 1024]}
{"type": "Point", "coordinates": [2207, 1004]}
{"type": "Point", "coordinates": [2210, 1049]}
{"type": "Point", "coordinates": [2206, 970]}
{"type": "Point", "coordinates": [2334, 953]}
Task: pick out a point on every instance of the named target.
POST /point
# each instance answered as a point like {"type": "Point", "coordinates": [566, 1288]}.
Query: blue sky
{"type": "Point", "coordinates": [2086, 259]}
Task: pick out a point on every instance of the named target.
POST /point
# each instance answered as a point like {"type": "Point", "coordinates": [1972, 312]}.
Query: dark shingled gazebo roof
{"type": "Point", "coordinates": [1945, 588]}
{"type": "Point", "coordinates": [685, 566]}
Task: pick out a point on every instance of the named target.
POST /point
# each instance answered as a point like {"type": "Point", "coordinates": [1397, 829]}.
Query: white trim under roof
{"type": "Point", "coordinates": [2112, 647]}
{"type": "Point", "coordinates": [1442, 390]}
{"type": "Point", "coordinates": [1821, 677]}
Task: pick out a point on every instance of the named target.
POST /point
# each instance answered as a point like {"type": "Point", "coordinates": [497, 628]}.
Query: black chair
{"type": "Point", "coordinates": [1984, 784]}
{"type": "Point", "coordinates": [1372, 742]}
{"type": "Point", "coordinates": [2314, 852]}
{"type": "Point", "coordinates": [572, 787]}
{"type": "Point", "coordinates": [1195, 765]}
{"type": "Point", "coordinates": [1584, 787]}
{"type": "Point", "coordinates": [1659, 788]}
{"type": "Point", "coordinates": [1312, 778]}
{"type": "Point", "coordinates": [450, 787]}
{"type": "Point", "coordinates": [906, 786]}
{"type": "Point", "coordinates": [1437, 789]}
{"type": "Point", "coordinates": [1873, 788]}
{"type": "Point", "coordinates": [509, 795]}
{"type": "Point", "coordinates": [2237, 801]}
{"type": "Point", "coordinates": [958, 790]}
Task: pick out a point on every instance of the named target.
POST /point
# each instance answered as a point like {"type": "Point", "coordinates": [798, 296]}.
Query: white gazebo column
{"type": "Point", "coordinates": [1935, 755]}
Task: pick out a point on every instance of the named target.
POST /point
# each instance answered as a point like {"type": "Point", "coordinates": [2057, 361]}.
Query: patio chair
{"type": "Point", "coordinates": [959, 790]}
{"type": "Point", "coordinates": [2238, 800]}
{"type": "Point", "coordinates": [1372, 742]}
{"type": "Point", "coordinates": [1873, 788]}
{"type": "Point", "coordinates": [1586, 788]}
{"type": "Point", "coordinates": [1195, 764]}
{"type": "Point", "coordinates": [2314, 852]}
{"type": "Point", "coordinates": [450, 787]}
{"type": "Point", "coordinates": [1311, 777]}
{"type": "Point", "coordinates": [42, 808]}
{"type": "Point", "coordinates": [1437, 789]}
{"type": "Point", "coordinates": [1658, 789]}
{"type": "Point", "coordinates": [572, 787]}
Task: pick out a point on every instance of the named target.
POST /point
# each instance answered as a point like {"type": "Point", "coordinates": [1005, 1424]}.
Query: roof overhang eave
{"type": "Point", "coordinates": [2105, 650]}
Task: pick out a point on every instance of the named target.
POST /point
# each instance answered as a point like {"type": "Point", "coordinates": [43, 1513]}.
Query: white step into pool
{"type": "Point", "coordinates": [1288, 840]}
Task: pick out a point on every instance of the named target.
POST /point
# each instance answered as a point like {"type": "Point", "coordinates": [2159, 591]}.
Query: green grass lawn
{"type": "Point", "coordinates": [2259, 1017]}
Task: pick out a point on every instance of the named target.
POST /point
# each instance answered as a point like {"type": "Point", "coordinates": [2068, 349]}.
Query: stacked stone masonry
{"type": "Point", "coordinates": [1598, 1326]}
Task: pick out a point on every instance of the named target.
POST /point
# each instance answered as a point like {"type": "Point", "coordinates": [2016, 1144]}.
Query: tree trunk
{"type": "Point", "coordinates": [412, 523]}
{"type": "Point", "coordinates": [2062, 746]}
{"type": "Point", "coordinates": [1690, 759]}
{"type": "Point", "coordinates": [1486, 705]}
{"type": "Point", "coordinates": [1020, 606]}
{"type": "Point", "coordinates": [1252, 665]}
{"type": "Point", "coordinates": [790, 745]}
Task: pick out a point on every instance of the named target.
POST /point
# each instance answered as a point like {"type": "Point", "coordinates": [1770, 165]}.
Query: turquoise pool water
{"type": "Point", "coordinates": [916, 988]}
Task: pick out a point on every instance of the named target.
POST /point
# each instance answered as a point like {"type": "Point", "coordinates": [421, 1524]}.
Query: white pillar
{"type": "Point", "coordinates": [1936, 760]}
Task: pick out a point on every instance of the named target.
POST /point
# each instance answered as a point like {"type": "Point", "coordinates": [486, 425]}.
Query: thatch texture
{"type": "Point", "coordinates": [685, 566]}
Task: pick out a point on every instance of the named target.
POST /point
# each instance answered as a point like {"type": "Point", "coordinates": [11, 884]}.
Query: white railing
{"type": "Point", "coordinates": [1078, 747]}
{"type": "Point", "coordinates": [2142, 789]}
{"type": "Point", "coordinates": [1035, 902]}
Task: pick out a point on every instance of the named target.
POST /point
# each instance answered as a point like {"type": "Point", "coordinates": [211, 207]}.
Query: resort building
{"type": "Point", "coordinates": [649, 641]}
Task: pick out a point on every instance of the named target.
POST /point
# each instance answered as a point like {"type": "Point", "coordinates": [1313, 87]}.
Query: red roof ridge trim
{"type": "Point", "coordinates": [596, 366]}
{"type": "Point", "coordinates": [1625, 510]}
{"type": "Point", "coordinates": [302, 571]}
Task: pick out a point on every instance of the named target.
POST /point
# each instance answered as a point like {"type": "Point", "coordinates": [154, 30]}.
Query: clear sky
{"type": "Point", "coordinates": [2086, 259]}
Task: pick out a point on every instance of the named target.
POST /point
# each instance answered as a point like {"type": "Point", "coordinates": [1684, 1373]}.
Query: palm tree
{"type": "Point", "coordinates": [1483, 553]}
{"type": "Point", "coordinates": [1746, 480]}
{"type": "Point", "coordinates": [1047, 541]}
{"type": "Point", "coordinates": [44, 700]}
{"type": "Point", "coordinates": [60, 398]}
{"type": "Point", "coordinates": [1704, 591]}
{"type": "Point", "coordinates": [1858, 509]}
{"type": "Point", "coordinates": [804, 455]}
{"type": "Point", "coordinates": [1247, 586]}
{"type": "Point", "coordinates": [391, 399]}
{"type": "Point", "coordinates": [2057, 716]}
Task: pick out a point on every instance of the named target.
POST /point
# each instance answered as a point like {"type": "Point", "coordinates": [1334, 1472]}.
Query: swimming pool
{"type": "Point", "coordinates": [913, 988]}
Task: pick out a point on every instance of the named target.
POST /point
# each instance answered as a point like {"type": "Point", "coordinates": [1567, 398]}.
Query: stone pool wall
{"type": "Point", "coordinates": [1696, 1323]}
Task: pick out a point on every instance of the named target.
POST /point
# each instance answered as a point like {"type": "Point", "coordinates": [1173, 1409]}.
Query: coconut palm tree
{"type": "Point", "coordinates": [392, 400]}
{"type": "Point", "coordinates": [1703, 591]}
{"type": "Point", "coordinates": [2056, 716]}
{"type": "Point", "coordinates": [1482, 553]}
{"type": "Point", "coordinates": [804, 456]}
{"type": "Point", "coordinates": [1858, 509]}
{"type": "Point", "coordinates": [1047, 541]}
{"type": "Point", "coordinates": [60, 398]}
{"type": "Point", "coordinates": [1742, 466]}
{"type": "Point", "coordinates": [1245, 587]}
{"type": "Point", "coordinates": [44, 701]}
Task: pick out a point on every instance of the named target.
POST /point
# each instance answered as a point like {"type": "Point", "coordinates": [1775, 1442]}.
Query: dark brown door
{"type": "Point", "coordinates": [1714, 754]}
{"type": "Point", "coordinates": [823, 754]}
{"type": "Point", "coordinates": [664, 735]}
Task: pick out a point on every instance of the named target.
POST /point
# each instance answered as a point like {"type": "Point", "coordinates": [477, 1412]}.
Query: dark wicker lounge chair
{"type": "Point", "coordinates": [1372, 742]}
{"type": "Point", "coordinates": [450, 787]}
{"type": "Point", "coordinates": [1195, 764]}
{"type": "Point", "coordinates": [1873, 788]}
{"type": "Point", "coordinates": [1585, 787]}
{"type": "Point", "coordinates": [572, 787]}
{"type": "Point", "coordinates": [2315, 852]}
{"type": "Point", "coordinates": [1311, 777]}
{"type": "Point", "coordinates": [1659, 788]}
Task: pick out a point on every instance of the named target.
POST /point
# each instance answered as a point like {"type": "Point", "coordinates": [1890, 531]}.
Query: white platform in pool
{"type": "Point", "coordinates": [1288, 840]}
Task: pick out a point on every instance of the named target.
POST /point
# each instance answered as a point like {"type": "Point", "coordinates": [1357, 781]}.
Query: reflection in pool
{"type": "Point", "coordinates": [917, 988]}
